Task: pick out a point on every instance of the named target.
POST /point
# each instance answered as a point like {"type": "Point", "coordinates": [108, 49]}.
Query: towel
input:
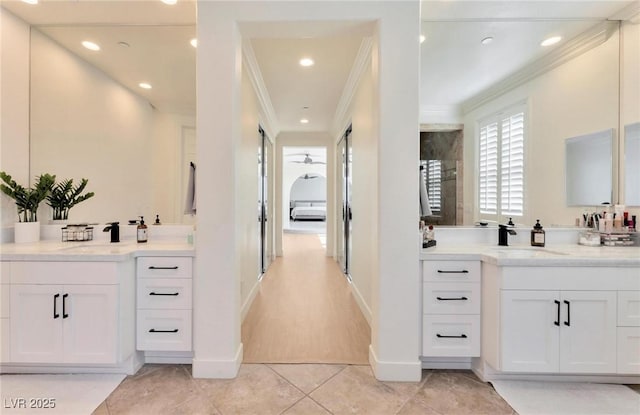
{"type": "Point", "coordinates": [425, 207]}
{"type": "Point", "coordinates": [190, 205]}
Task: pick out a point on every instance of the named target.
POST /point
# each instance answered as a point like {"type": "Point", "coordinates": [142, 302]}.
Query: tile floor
{"type": "Point", "coordinates": [300, 389]}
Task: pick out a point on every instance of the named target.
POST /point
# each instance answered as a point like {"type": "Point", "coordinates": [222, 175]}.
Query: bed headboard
{"type": "Point", "coordinates": [301, 203]}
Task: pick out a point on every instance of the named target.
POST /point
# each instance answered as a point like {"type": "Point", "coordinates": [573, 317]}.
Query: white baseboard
{"type": "Point", "coordinates": [217, 369]}
{"type": "Point", "coordinates": [176, 358]}
{"type": "Point", "coordinates": [395, 371]}
{"type": "Point", "coordinates": [446, 362]}
{"type": "Point", "coordinates": [247, 303]}
{"type": "Point", "coordinates": [128, 367]}
{"type": "Point", "coordinates": [364, 308]}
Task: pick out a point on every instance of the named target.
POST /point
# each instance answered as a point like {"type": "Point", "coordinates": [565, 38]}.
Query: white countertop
{"type": "Point", "coordinates": [93, 250]}
{"type": "Point", "coordinates": [525, 255]}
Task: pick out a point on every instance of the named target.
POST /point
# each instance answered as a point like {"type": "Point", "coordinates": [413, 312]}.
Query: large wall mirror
{"type": "Point", "coordinates": [589, 169]}
{"type": "Point", "coordinates": [632, 164]}
{"type": "Point", "coordinates": [122, 116]}
{"type": "Point", "coordinates": [472, 70]}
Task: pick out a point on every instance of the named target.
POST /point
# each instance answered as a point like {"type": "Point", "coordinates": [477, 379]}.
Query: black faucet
{"type": "Point", "coordinates": [115, 231]}
{"type": "Point", "coordinates": [503, 234]}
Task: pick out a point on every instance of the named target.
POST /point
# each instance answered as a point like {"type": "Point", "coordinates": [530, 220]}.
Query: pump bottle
{"type": "Point", "coordinates": [537, 234]}
{"type": "Point", "coordinates": [142, 231]}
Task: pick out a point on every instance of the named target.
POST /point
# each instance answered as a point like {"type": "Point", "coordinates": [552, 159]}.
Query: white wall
{"type": "Point", "coordinates": [14, 110]}
{"type": "Point", "coordinates": [395, 289]}
{"type": "Point", "coordinates": [364, 237]}
{"type": "Point", "coordinates": [576, 98]}
{"type": "Point", "coordinates": [85, 125]}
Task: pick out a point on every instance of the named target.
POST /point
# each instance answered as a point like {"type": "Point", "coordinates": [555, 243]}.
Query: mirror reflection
{"type": "Point", "coordinates": [632, 164]}
{"type": "Point", "coordinates": [589, 169]}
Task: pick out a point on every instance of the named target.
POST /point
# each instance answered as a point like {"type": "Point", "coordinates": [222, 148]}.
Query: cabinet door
{"type": "Point", "coordinates": [36, 332]}
{"type": "Point", "coordinates": [91, 328]}
{"type": "Point", "coordinates": [588, 335]}
{"type": "Point", "coordinates": [530, 336]}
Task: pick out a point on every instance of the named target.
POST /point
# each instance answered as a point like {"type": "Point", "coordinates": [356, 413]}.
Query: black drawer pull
{"type": "Point", "coordinates": [452, 298]}
{"type": "Point", "coordinates": [172, 294]}
{"type": "Point", "coordinates": [463, 271]}
{"type": "Point", "coordinates": [163, 331]}
{"type": "Point", "coordinates": [568, 322]}
{"type": "Point", "coordinates": [154, 267]}
{"type": "Point", "coordinates": [64, 306]}
{"type": "Point", "coordinates": [557, 322]}
{"type": "Point", "coordinates": [55, 303]}
{"type": "Point", "coordinates": [462, 336]}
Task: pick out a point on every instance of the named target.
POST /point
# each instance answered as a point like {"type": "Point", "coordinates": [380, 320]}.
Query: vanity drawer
{"type": "Point", "coordinates": [442, 271]}
{"type": "Point", "coordinates": [451, 335]}
{"type": "Point", "coordinates": [451, 298]}
{"type": "Point", "coordinates": [629, 308]}
{"type": "Point", "coordinates": [164, 293]}
{"type": "Point", "coordinates": [164, 330]}
{"type": "Point", "coordinates": [164, 267]}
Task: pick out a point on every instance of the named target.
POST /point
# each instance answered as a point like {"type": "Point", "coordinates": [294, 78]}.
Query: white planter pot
{"type": "Point", "coordinates": [25, 232]}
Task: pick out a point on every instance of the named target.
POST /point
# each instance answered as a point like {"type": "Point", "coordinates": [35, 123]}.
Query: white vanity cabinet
{"type": "Point", "coordinates": [556, 319]}
{"type": "Point", "coordinates": [451, 309]}
{"type": "Point", "coordinates": [68, 312]}
{"type": "Point", "coordinates": [164, 304]}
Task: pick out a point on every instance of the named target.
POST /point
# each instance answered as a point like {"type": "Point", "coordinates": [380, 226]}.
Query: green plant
{"type": "Point", "coordinates": [27, 199]}
{"type": "Point", "coordinates": [64, 196]}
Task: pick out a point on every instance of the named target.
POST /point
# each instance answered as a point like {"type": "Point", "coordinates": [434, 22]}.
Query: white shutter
{"type": "Point", "coordinates": [488, 192]}
{"type": "Point", "coordinates": [512, 165]}
{"type": "Point", "coordinates": [434, 184]}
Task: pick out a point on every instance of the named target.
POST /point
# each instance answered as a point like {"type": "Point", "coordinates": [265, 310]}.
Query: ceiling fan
{"type": "Point", "coordinates": [307, 159]}
{"type": "Point", "coordinates": [307, 177]}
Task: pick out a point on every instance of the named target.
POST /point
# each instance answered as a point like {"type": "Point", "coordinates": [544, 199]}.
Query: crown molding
{"type": "Point", "coordinates": [268, 118]}
{"type": "Point", "coordinates": [630, 13]}
{"type": "Point", "coordinates": [575, 47]}
{"type": "Point", "coordinates": [340, 118]}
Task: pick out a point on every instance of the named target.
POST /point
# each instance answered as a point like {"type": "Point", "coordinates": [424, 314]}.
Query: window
{"type": "Point", "coordinates": [501, 163]}
{"type": "Point", "coordinates": [432, 176]}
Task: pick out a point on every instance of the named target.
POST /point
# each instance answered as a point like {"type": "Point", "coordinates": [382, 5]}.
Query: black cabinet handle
{"type": "Point", "coordinates": [568, 322]}
{"type": "Point", "coordinates": [163, 331]}
{"type": "Point", "coordinates": [452, 299]}
{"type": "Point", "coordinates": [462, 336]}
{"type": "Point", "coordinates": [55, 303]}
{"type": "Point", "coordinates": [463, 271]}
{"type": "Point", "coordinates": [64, 306]}
{"type": "Point", "coordinates": [172, 294]}
{"type": "Point", "coordinates": [173, 267]}
{"type": "Point", "coordinates": [557, 322]}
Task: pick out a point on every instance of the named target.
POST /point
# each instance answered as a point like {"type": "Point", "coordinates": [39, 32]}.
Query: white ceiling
{"type": "Point", "coordinates": [295, 154]}
{"type": "Point", "coordinates": [455, 66]}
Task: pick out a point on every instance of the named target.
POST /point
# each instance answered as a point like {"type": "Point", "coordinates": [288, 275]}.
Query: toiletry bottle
{"type": "Point", "coordinates": [157, 220]}
{"type": "Point", "coordinates": [142, 231]}
{"type": "Point", "coordinates": [537, 234]}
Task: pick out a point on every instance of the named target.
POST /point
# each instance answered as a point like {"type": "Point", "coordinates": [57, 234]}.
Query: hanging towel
{"type": "Point", "coordinates": [425, 207]}
{"type": "Point", "coordinates": [190, 205]}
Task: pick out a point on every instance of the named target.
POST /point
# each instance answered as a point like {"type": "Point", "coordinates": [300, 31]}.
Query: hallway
{"type": "Point", "coordinates": [305, 312]}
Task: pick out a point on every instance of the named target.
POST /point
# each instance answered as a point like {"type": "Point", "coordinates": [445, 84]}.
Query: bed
{"type": "Point", "coordinates": [309, 210]}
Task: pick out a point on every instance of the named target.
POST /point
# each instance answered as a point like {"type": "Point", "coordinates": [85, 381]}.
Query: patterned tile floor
{"type": "Point", "coordinates": [300, 389]}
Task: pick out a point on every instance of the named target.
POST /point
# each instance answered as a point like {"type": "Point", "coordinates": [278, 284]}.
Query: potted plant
{"type": "Point", "coordinates": [64, 195]}
{"type": "Point", "coordinates": [27, 229]}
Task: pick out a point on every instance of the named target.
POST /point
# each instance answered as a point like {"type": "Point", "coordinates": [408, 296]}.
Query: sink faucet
{"type": "Point", "coordinates": [115, 231]}
{"type": "Point", "coordinates": [503, 234]}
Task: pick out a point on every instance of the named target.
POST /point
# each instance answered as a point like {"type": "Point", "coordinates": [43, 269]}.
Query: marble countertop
{"type": "Point", "coordinates": [525, 255]}
{"type": "Point", "coordinates": [93, 250]}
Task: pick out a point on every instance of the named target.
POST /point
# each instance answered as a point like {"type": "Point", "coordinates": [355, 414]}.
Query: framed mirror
{"type": "Point", "coordinates": [589, 169]}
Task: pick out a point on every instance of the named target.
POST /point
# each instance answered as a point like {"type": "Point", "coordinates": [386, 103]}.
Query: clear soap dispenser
{"type": "Point", "coordinates": [142, 231]}
{"type": "Point", "coordinates": [537, 234]}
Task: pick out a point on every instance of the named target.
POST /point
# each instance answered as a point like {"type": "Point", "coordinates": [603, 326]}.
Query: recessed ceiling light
{"type": "Point", "coordinates": [90, 45]}
{"type": "Point", "coordinates": [306, 62]}
{"type": "Point", "coordinates": [194, 42]}
{"type": "Point", "coordinates": [304, 121]}
{"type": "Point", "coordinates": [422, 38]}
{"type": "Point", "coordinates": [144, 85]}
{"type": "Point", "coordinates": [487, 40]}
{"type": "Point", "coordinates": [169, 1]}
{"type": "Point", "coordinates": [123, 44]}
{"type": "Point", "coordinates": [551, 41]}
{"type": "Point", "coordinates": [30, 1]}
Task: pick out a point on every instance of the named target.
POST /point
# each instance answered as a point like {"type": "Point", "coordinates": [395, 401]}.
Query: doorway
{"type": "Point", "coordinates": [344, 246]}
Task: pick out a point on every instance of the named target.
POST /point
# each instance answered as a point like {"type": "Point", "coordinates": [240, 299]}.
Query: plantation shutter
{"type": "Point", "coordinates": [434, 184]}
{"type": "Point", "coordinates": [488, 163]}
{"type": "Point", "coordinates": [512, 165]}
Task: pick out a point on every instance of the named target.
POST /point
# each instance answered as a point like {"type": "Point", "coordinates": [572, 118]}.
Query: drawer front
{"type": "Point", "coordinates": [629, 350]}
{"type": "Point", "coordinates": [629, 308]}
{"type": "Point", "coordinates": [164, 293]}
{"type": "Point", "coordinates": [164, 267]}
{"type": "Point", "coordinates": [451, 271]}
{"type": "Point", "coordinates": [451, 298]}
{"type": "Point", "coordinates": [40, 272]}
{"type": "Point", "coordinates": [164, 330]}
{"type": "Point", "coordinates": [452, 335]}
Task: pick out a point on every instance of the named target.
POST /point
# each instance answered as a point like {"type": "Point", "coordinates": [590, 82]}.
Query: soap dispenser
{"type": "Point", "coordinates": [537, 234]}
{"type": "Point", "coordinates": [142, 231]}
